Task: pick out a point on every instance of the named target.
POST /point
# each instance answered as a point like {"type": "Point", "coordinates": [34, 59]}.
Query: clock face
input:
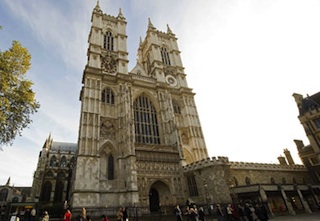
{"type": "Point", "coordinates": [171, 80]}
{"type": "Point", "coordinates": [109, 64]}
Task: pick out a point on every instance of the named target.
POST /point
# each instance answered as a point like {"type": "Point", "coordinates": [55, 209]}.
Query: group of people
{"type": "Point", "coordinates": [122, 215]}
{"type": "Point", "coordinates": [230, 212]}
{"type": "Point", "coordinates": [192, 213]}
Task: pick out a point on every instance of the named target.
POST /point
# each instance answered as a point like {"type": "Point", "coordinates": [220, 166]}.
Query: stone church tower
{"type": "Point", "coordinates": [138, 128]}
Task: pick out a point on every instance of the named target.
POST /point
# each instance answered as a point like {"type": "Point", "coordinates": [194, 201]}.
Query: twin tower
{"type": "Point", "coordinates": [138, 128]}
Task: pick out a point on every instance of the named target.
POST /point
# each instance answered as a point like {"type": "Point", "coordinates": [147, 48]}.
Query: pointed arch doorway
{"type": "Point", "coordinates": [159, 195]}
{"type": "Point", "coordinates": [154, 200]}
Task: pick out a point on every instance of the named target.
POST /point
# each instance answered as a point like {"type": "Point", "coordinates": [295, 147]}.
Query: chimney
{"type": "Point", "coordinates": [288, 156]}
{"type": "Point", "coordinates": [299, 144]}
{"type": "Point", "coordinates": [282, 160]}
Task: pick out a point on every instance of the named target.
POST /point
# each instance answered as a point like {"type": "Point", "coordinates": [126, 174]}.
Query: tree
{"type": "Point", "coordinates": [17, 100]}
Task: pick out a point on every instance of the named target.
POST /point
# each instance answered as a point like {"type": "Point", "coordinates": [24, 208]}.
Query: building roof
{"type": "Point", "coordinates": [310, 103]}
{"type": "Point", "coordinates": [62, 146]}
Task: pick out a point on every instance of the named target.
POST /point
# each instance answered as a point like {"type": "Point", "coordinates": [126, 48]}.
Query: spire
{"type": "Point", "coordinates": [120, 15]}
{"type": "Point", "coordinates": [97, 8]}
{"type": "Point", "coordinates": [8, 181]}
{"type": "Point", "coordinates": [150, 25]}
{"type": "Point", "coordinates": [169, 30]}
{"type": "Point", "coordinates": [140, 43]}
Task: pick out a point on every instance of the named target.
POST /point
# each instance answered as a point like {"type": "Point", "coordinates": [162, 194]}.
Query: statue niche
{"type": "Point", "coordinates": [107, 130]}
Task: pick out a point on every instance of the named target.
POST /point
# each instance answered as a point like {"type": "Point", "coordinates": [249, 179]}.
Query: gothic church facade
{"type": "Point", "coordinates": [137, 128]}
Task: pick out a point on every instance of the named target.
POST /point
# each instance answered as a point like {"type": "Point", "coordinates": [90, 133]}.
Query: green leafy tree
{"type": "Point", "coordinates": [17, 100]}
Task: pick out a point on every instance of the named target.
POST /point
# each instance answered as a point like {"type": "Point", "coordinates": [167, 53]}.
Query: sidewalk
{"type": "Point", "coordinates": [315, 216]}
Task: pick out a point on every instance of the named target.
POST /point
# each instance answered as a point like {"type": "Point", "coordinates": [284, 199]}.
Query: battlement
{"type": "Point", "coordinates": [214, 161]}
{"type": "Point", "coordinates": [265, 166]}
{"type": "Point", "coordinates": [207, 162]}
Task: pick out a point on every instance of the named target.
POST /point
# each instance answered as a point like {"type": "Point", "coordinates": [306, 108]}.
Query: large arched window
{"type": "Point", "coordinates": [72, 162]}
{"type": "Point", "coordinates": [145, 121]}
{"type": "Point", "coordinates": [110, 167]}
{"type": "Point", "coordinates": [165, 56]}
{"type": "Point", "coordinates": [108, 41]}
{"type": "Point", "coordinates": [4, 194]}
{"type": "Point", "coordinates": [46, 191]}
{"type": "Point", "coordinates": [63, 162]}
{"type": "Point", "coordinates": [53, 161]}
{"type": "Point", "coordinates": [107, 96]}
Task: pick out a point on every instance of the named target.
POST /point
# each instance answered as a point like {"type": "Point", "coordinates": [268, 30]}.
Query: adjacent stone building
{"type": "Point", "coordinates": [309, 117]}
{"type": "Point", "coordinates": [51, 181]}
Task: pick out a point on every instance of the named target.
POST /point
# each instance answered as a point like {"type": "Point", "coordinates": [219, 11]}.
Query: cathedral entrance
{"type": "Point", "coordinates": [159, 196]}
{"type": "Point", "coordinates": [154, 200]}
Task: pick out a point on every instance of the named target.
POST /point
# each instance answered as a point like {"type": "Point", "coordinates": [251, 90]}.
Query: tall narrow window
{"type": "Point", "coordinates": [46, 191]}
{"type": "Point", "coordinates": [110, 167]}
{"type": "Point", "coordinates": [176, 107]}
{"type": "Point", "coordinates": [58, 193]}
{"type": "Point", "coordinates": [145, 121]}
{"type": "Point", "coordinates": [107, 96]}
{"type": "Point", "coordinates": [4, 194]}
{"type": "Point", "coordinates": [63, 162]}
{"type": "Point", "coordinates": [192, 186]}
{"type": "Point", "coordinates": [165, 56]}
{"type": "Point", "coordinates": [53, 161]}
{"type": "Point", "coordinates": [317, 122]}
{"type": "Point", "coordinates": [108, 41]}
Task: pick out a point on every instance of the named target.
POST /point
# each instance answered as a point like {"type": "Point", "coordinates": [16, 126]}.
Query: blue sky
{"type": "Point", "coordinates": [244, 59]}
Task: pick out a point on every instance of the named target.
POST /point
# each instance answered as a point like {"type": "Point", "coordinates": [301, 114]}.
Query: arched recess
{"type": "Point", "coordinates": [188, 156]}
{"type": "Point", "coordinates": [58, 194]}
{"type": "Point", "coordinates": [4, 194]}
{"type": "Point", "coordinates": [46, 191]}
{"type": "Point", "coordinates": [159, 195]}
{"type": "Point", "coordinates": [108, 162]}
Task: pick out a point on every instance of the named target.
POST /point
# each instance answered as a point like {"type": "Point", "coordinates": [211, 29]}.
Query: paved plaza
{"type": "Point", "coordinates": [300, 217]}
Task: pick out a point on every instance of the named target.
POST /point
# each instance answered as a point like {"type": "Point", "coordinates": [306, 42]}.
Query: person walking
{"type": "Point", "coordinates": [220, 213]}
{"type": "Point", "coordinates": [120, 214]}
{"type": "Point", "coordinates": [177, 212]}
{"type": "Point", "coordinates": [202, 215]}
{"type": "Point", "coordinates": [229, 212]}
{"type": "Point", "coordinates": [67, 216]}
{"type": "Point", "coordinates": [45, 216]}
{"type": "Point", "coordinates": [125, 214]}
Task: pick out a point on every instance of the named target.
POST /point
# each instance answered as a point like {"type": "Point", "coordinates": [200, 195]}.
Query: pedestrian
{"type": "Point", "coordinates": [187, 213]}
{"type": "Point", "coordinates": [229, 212]}
{"type": "Point", "coordinates": [193, 215]}
{"type": "Point", "coordinates": [33, 214]}
{"type": "Point", "coordinates": [67, 216]}
{"type": "Point", "coordinates": [219, 212]}
{"type": "Point", "coordinates": [241, 212]}
{"type": "Point", "coordinates": [104, 218]}
{"type": "Point", "coordinates": [261, 212]}
{"type": "Point", "coordinates": [177, 212]}
{"type": "Point", "coordinates": [120, 214]}
{"type": "Point", "coordinates": [202, 215]}
{"type": "Point", "coordinates": [125, 214]}
{"type": "Point", "coordinates": [45, 216]}
{"type": "Point", "coordinates": [27, 215]}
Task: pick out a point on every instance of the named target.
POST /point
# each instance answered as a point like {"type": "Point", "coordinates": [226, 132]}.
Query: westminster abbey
{"type": "Point", "coordinates": [141, 144]}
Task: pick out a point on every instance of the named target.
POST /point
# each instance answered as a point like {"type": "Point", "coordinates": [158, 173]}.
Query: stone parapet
{"type": "Point", "coordinates": [266, 166]}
